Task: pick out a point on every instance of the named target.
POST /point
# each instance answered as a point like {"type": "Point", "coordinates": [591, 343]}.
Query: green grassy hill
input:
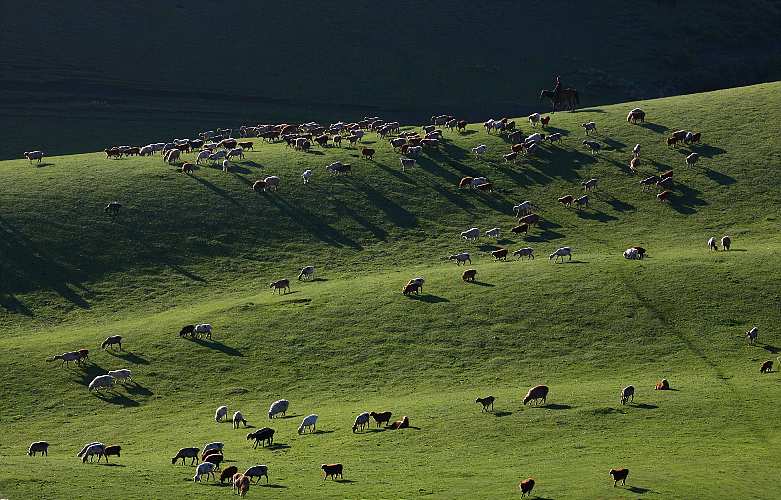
{"type": "Point", "coordinates": [203, 248]}
{"type": "Point", "coordinates": [79, 78]}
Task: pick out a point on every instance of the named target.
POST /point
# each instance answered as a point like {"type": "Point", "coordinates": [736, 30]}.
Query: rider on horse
{"type": "Point", "coordinates": [557, 88]}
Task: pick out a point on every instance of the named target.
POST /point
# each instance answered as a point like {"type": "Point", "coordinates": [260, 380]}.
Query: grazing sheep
{"type": "Point", "coordinates": [530, 219]}
{"type": "Point", "coordinates": [407, 163]}
{"type": "Point", "coordinates": [92, 450]}
{"type": "Point", "coordinates": [627, 393]}
{"type": "Point", "coordinates": [494, 232]}
{"type": "Point", "coordinates": [535, 394]}
{"type": "Point", "coordinates": [215, 458]}
{"type": "Point", "coordinates": [662, 385]}
{"type": "Point", "coordinates": [526, 487]}
{"type": "Point", "coordinates": [279, 406]}
{"type": "Point", "coordinates": [460, 258]}
{"type": "Point", "coordinates": [66, 358]}
{"type": "Point", "coordinates": [400, 424]}
{"type": "Point", "coordinates": [510, 156]}
{"type": "Point", "coordinates": [204, 330]}
{"type": "Point", "coordinates": [640, 252]}
{"type": "Point", "coordinates": [272, 182]}
{"type": "Point", "coordinates": [215, 445]}
{"type": "Point", "coordinates": [500, 254]}
{"type": "Point", "coordinates": [581, 202]}
{"type": "Point", "coordinates": [469, 275]}
{"type": "Point", "coordinates": [636, 115]}
{"type": "Point", "coordinates": [589, 185]}
{"type": "Point", "coordinates": [752, 335]}
{"type": "Point", "coordinates": [306, 176]}
{"type": "Point", "coordinates": [593, 146]}
{"type": "Point", "coordinates": [619, 475]}
{"type": "Point", "coordinates": [465, 182]}
{"type": "Point", "coordinates": [240, 484]}
{"type": "Point", "coordinates": [361, 421]}
{"type": "Point", "coordinates": [487, 402]}
{"type": "Point", "coordinates": [666, 174]}
{"type": "Point", "coordinates": [664, 196]}
{"type": "Point", "coordinates": [259, 186]}
{"type": "Point", "coordinates": [636, 151]}
{"type": "Point", "coordinates": [309, 422]}
{"type": "Point", "coordinates": [633, 164]}
{"type": "Point", "coordinates": [692, 159]}
{"type": "Point", "coordinates": [101, 382]}
{"type": "Point", "coordinates": [368, 153]}
{"type": "Point", "coordinates": [410, 288]}
{"type": "Point", "coordinates": [238, 418]}
{"type": "Point", "coordinates": [282, 285]}
{"type": "Point", "coordinates": [766, 367]}
{"type": "Point", "coordinates": [204, 469]}
{"type": "Point", "coordinates": [545, 120]}
{"type": "Point", "coordinates": [380, 418]}
{"type": "Point", "coordinates": [183, 453]}
{"type": "Point", "coordinates": [113, 450]}
{"type": "Point", "coordinates": [307, 273]}
{"type": "Point", "coordinates": [567, 200]}
{"type": "Point", "coordinates": [111, 341]}
{"type": "Point", "coordinates": [520, 228]}
{"type": "Point", "coordinates": [523, 208]}
{"type": "Point", "coordinates": [123, 374]}
{"type": "Point", "coordinates": [38, 446]}
{"type": "Point", "coordinates": [524, 252]}
{"type": "Point", "coordinates": [332, 470]}
{"type": "Point", "coordinates": [664, 183]}
{"type": "Point", "coordinates": [262, 436]}
{"type": "Point", "coordinates": [86, 447]}
{"type": "Point", "coordinates": [726, 242]}
{"type": "Point", "coordinates": [555, 137]}
{"type": "Point", "coordinates": [212, 451]}
{"type": "Point", "coordinates": [712, 244]}
{"type": "Point", "coordinates": [226, 166]}
{"type": "Point", "coordinates": [561, 252]}
{"type": "Point", "coordinates": [188, 168]}
{"type": "Point", "coordinates": [589, 127]}
{"type": "Point", "coordinates": [480, 149]}
{"type": "Point", "coordinates": [631, 254]}
{"type": "Point", "coordinates": [417, 281]}
{"type": "Point", "coordinates": [227, 473]}
{"type": "Point", "coordinates": [534, 119]}
{"type": "Point", "coordinates": [649, 181]}
{"type": "Point", "coordinates": [471, 234]}
{"type": "Point", "coordinates": [34, 155]}
{"type": "Point", "coordinates": [257, 471]}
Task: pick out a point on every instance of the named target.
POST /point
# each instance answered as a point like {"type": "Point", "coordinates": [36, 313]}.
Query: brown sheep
{"type": "Point", "coordinates": [766, 367]}
{"type": "Point", "coordinates": [259, 186]}
{"type": "Point", "coordinates": [187, 168]}
{"type": "Point", "coordinates": [662, 385]}
{"type": "Point", "coordinates": [500, 254]}
{"type": "Point", "coordinates": [664, 196]}
{"type": "Point", "coordinates": [526, 487]}
{"type": "Point", "coordinates": [511, 156]}
{"type": "Point", "coordinates": [487, 402]}
{"type": "Point", "coordinates": [619, 475]}
{"type": "Point", "coordinates": [536, 393]}
{"type": "Point", "coordinates": [465, 182]}
{"type": "Point", "coordinates": [332, 470]}
{"type": "Point", "coordinates": [469, 275]}
{"type": "Point", "coordinates": [245, 145]}
{"type": "Point", "coordinates": [486, 186]}
{"type": "Point", "coordinates": [380, 418]}
{"type": "Point", "coordinates": [521, 228]}
{"type": "Point", "coordinates": [530, 219]}
{"type": "Point", "coordinates": [518, 148]}
{"type": "Point", "coordinates": [282, 285]}
{"type": "Point", "coordinates": [111, 450]}
{"type": "Point", "coordinates": [672, 141]}
{"type": "Point", "coordinates": [409, 288]}
{"type": "Point", "coordinates": [400, 424]}
{"type": "Point", "coordinates": [368, 153]}
{"type": "Point", "coordinates": [566, 200]}
{"type": "Point", "coordinates": [212, 451]}
{"type": "Point", "coordinates": [228, 474]}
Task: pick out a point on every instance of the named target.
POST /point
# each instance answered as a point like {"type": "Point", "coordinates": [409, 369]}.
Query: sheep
{"type": "Point", "coordinates": [235, 152]}
{"type": "Point", "coordinates": [382, 417]}
{"type": "Point", "coordinates": [204, 469]}
{"type": "Point", "coordinates": [332, 470]}
{"type": "Point", "coordinates": [112, 340]}
{"type": "Point", "coordinates": [593, 146]}
{"type": "Point", "coordinates": [767, 367]}
{"type": "Point", "coordinates": [555, 137]}
{"type": "Point", "coordinates": [400, 424]}
{"type": "Point", "coordinates": [524, 252]}
{"type": "Point", "coordinates": [309, 422]}
{"type": "Point", "coordinates": [417, 281]}
{"type": "Point", "coordinates": [520, 228]}
{"type": "Point", "coordinates": [262, 436]}
{"type": "Point", "coordinates": [500, 254]}
{"type": "Point", "coordinates": [692, 159]}
{"type": "Point", "coordinates": [649, 181]}
{"type": "Point", "coordinates": [679, 135]}
{"type": "Point", "coordinates": [203, 155]}
{"type": "Point", "coordinates": [282, 285]}
{"type": "Point", "coordinates": [306, 176]}
{"type": "Point", "coordinates": [640, 252]}
{"type": "Point", "coordinates": [361, 421]}
{"type": "Point", "coordinates": [712, 244]}
{"type": "Point", "coordinates": [534, 139]}
{"type": "Point", "coordinates": [566, 200]}
{"type": "Point", "coordinates": [407, 163]}
{"type": "Point", "coordinates": [752, 335]}
{"type": "Point", "coordinates": [726, 242]}
{"type": "Point", "coordinates": [226, 166]}
{"type": "Point", "coordinates": [460, 258]}
{"type": "Point", "coordinates": [212, 451]}
{"type": "Point", "coordinates": [215, 445]}
{"type": "Point", "coordinates": [465, 182]}
{"type": "Point", "coordinates": [307, 273]}
{"type": "Point", "coordinates": [471, 234]}
{"type": "Point", "coordinates": [91, 450]}
{"type": "Point", "coordinates": [272, 182]}
{"type": "Point", "coordinates": [561, 252]}
{"type": "Point", "coordinates": [535, 394]}
{"type": "Point", "coordinates": [627, 393]}
{"type": "Point", "coordinates": [480, 149]}
{"type": "Point", "coordinates": [122, 374]}
{"type": "Point", "coordinates": [510, 156]}
{"type": "Point", "coordinates": [86, 447]}
{"type": "Point", "coordinates": [411, 288]}
{"type": "Point", "coordinates": [589, 127]}
{"type": "Point", "coordinates": [111, 450]}
{"type": "Point", "coordinates": [631, 254]}
{"type": "Point", "coordinates": [279, 406]}
{"type": "Point", "coordinates": [666, 174]}
{"type": "Point", "coordinates": [530, 219]}
{"type": "Point", "coordinates": [238, 418]}
{"type": "Point", "coordinates": [523, 208]}
{"type": "Point", "coordinates": [581, 202]}
{"type": "Point", "coordinates": [227, 473]}
{"type": "Point", "coordinates": [494, 232]}
{"type": "Point", "coordinates": [215, 458]}
{"type": "Point", "coordinates": [38, 446]}
{"type": "Point", "coordinates": [662, 385]}
{"type": "Point", "coordinates": [100, 382]}
{"type": "Point", "coordinates": [479, 181]}
{"type": "Point", "coordinates": [487, 402]}
{"type": "Point", "coordinates": [636, 115]}
{"type": "Point", "coordinates": [414, 151]}
{"type": "Point", "coordinates": [534, 119]}
{"type": "Point", "coordinates": [636, 150]}
{"type": "Point", "coordinates": [619, 475]}
{"type": "Point", "coordinates": [259, 186]}
{"type": "Point", "coordinates": [34, 155]}
{"type": "Point", "coordinates": [589, 185]}
{"type": "Point", "coordinates": [203, 329]}
{"type": "Point", "coordinates": [526, 487]}
{"type": "Point", "coordinates": [545, 120]}
{"type": "Point", "coordinates": [66, 358]}
{"type": "Point", "coordinates": [257, 471]}
{"type": "Point", "coordinates": [469, 275]}
{"type": "Point", "coordinates": [183, 453]}
{"type": "Point", "coordinates": [240, 484]}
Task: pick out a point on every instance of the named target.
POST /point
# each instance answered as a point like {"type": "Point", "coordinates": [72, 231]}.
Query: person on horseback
{"type": "Point", "coordinates": [557, 88]}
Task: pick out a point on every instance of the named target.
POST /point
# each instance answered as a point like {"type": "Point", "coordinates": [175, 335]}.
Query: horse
{"type": "Point", "coordinates": [567, 98]}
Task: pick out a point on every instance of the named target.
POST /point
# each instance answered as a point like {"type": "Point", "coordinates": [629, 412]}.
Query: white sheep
{"type": "Point", "coordinates": [279, 406]}
{"type": "Point", "coordinates": [272, 182]}
{"type": "Point", "coordinates": [478, 150]}
{"type": "Point", "coordinates": [238, 418]}
{"type": "Point", "coordinates": [534, 119]}
{"type": "Point", "coordinates": [204, 469]}
{"type": "Point", "coordinates": [752, 335]}
{"type": "Point", "coordinates": [221, 413]}
{"type": "Point", "coordinates": [226, 166]}
{"type": "Point", "coordinates": [636, 150]}
{"type": "Point", "coordinates": [93, 449]}
{"type": "Point", "coordinates": [216, 445]}
{"type": "Point", "coordinates": [86, 447]}
{"type": "Point", "coordinates": [306, 175]}
{"type": "Point", "coordinates": [523, 208]}
{"type": "Point", "coordinates": [712, 244]}
{"type": "Point", "coordinates": [561, 252]}
{"type": "Point", "coordinates": [100, 382]}
{"type": "Point", "coordinates": [471, 234]}
{"type": "Point", "coordinates": [309, 422]}
{"type": "Point", "coordinates": [460, 258]}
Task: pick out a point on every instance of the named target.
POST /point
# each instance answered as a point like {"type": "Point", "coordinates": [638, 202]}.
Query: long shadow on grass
{"type": "Point", "coordinates": [115, 398]}
{"type": "Point", "coordinates": [555, 406]}
{"type": "Point", "coordinates": [137, 389]}
{"type": "Point", "coordinates": [268, 485]}
{"type": "Point", "coordinates": [686, 199]}
{"type": "Point", "coordinates": [431, 299]}
{"type": "Point", "coordinates": [89, 372]}
{"type": "Point", "coordinates": [502, 413]}
{"type": "Point", "coordinates": [395, 213]}
{"type": "Point", "coordinates": [654, 127]}
{"type": "Point", "coordinates": [771, 349]}
{"type": "Point", "coordinates": [128, 356]}
{"type": "Point", "coordinates": [639, 490]}
{"type": "Point", "coordinates": [708, 151]}
{"type": "Point", "coordinates": [218, 190]}
{"type": "Point", "coordinates": [217, 346]}
{"type": "Point", "coordinates": [645, 406]}
{"type": "Point", "coordinates": [311, 222]}
{"type": "Point", "coordinates": [596, 215]}
{"type": "Point", "coordinates": [718, 177]}
{"type": "Point", "coordinates": [480, 283]}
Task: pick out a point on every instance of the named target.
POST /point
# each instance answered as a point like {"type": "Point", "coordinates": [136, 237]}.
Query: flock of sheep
{"type": "Point", "coordinates": [215, 146]}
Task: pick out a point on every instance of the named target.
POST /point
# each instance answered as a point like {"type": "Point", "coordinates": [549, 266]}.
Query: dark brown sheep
{"type": "Point", "coordinates": [469, 275]}
{"type": "Point", "coordinates": [521, 228]}
{"type": "Point", "coordinates": [487, 402]}
{"type": "Point", "coordinates": [619, 475]}
{"type": "Point", "coordinates": [380, 418]}
{"type": "Point", "coordinates": [500, 254]}
{"type": "Point", "coordinates": [526, 487]}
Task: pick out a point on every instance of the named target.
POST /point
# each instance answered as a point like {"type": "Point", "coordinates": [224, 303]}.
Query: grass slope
{"type": "Point", "coordinates": [203, 248]}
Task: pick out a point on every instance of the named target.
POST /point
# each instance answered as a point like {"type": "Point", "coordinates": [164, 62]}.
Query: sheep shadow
{"type": "Point", "coordinates": [117, 399]}
{"type": "Point", "coordinates": [428, 298]}
{"type": "Point", "coordinates": [112, 464]}
{"type": "Point", "coordinates": [90, 372]}
{"type": "Point", "coordinates": [501, 413]}
{"type": "Point", "coordinates": [480, 283]}
{"type": "Point", "coordinates": [645, 406]}
{"type": "Point", "coordinates": [555, 406]}
{"type": "Point", "coordinates": [137, 390]}
{"type": "Point", "coordinates": [620, 206]}
{"type": "Point", "coordinates": [10, 303]}
{"type": "Point", "coordinates": [707, 151]}
{"type": "Point", "coordinates": [467, 132]}
{"type": "Point", "coordinates": [613, 144]}
{"type": "Point", "coordinates": [44, 164]}
{"type": "Point", "coordinates": [268, 485]}
{"type": "Point", "coordinates": [639, 490]}
{"type": "Point", "coordinates": [238, 169]}
{"type": "Point", "coordinates": [771, 349]}
{"type": "Point", "coordinates": [217, 190]}
{"type": "Point", "coordinates": [654, 127]}
{"type": "Point", "coordinates": [347, 481]}
{"type": "Point", "coordinates": [278, 446]}
{"type": "Point", "coordinates": [718, 177]}
{"type": "Point", "coordinates": [596, 215]}
{"type": "Point", "coordinates": [128, 356]}
{"type": "Point", "coordinates": [253, 164]}
{"type": "Point", "coordinates": [322, 432]}
{"type": "Point", "coordinates": [216, 345]}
